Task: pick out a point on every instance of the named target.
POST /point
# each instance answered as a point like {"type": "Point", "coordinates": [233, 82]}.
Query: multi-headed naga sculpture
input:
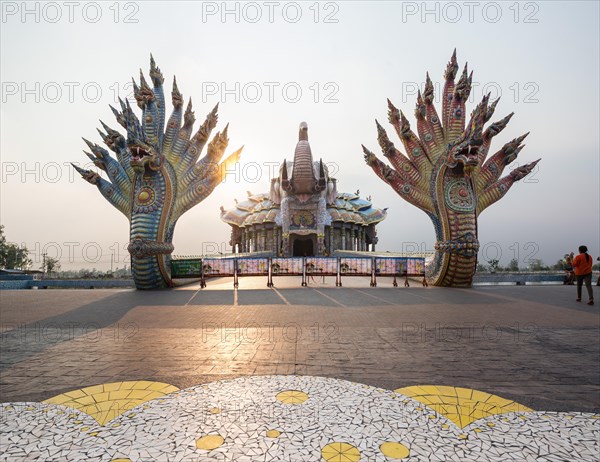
{"type": "Point", "coordinates": [156, 176]}
{"type": "Point", "coordinates": [445, 172]}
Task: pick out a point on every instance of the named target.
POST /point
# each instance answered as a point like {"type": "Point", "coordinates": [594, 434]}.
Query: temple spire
{"type": "Point", "coordinates": [303, 179]}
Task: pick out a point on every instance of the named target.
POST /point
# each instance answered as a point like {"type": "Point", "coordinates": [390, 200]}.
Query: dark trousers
{"type": "Point", "coordinates": [587, 279]}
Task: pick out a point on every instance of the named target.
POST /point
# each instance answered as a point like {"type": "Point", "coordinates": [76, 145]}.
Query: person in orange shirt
{"type": "Point", "coordinates": [582, 264]}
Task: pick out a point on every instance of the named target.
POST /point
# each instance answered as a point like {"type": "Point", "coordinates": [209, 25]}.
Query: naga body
{"type": "Point", "coordinates": [446, 171]}
{"type": "Point", "coordinates": [156, 176]}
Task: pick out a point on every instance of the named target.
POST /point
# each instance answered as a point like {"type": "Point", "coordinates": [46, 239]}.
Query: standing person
{"type": "Point", "coordinates": [569, 274]}
{"type": "Point", "coordinates": [582, 264]}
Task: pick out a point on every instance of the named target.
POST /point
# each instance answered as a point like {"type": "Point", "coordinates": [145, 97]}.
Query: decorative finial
{"type": "Point", "coordinates": [303, 133]}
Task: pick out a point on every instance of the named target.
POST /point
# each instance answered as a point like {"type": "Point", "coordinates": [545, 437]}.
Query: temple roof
{"type": "Point", "coordinates": [258, 209]}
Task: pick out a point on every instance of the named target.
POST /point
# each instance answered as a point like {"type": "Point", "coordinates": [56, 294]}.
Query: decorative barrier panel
{"type": "Point", "coordinates": [216, 267]}
{"type": "Point", "coordinates": [415, 266]}
{"type": "Point", "coordinates": [186, 268]}
{"type": "Point", "coordinates": [287, 266]}
{"type": "Point", "coordinates": [356, 266]}
{"type": "Point", "coordinates": [402, 266]}
{"type": "Point", "coordinates": [325, 266]}
{"type": "Point", "coordinates": [387, 266]}
{"type": "Point", "coordinates": [252, 266]}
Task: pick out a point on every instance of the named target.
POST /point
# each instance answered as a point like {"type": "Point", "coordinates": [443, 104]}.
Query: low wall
{"type": "Point", "coordinates": [15, 284]}
{"type": "Point", "coordinates": [67, 284]}
{"type": "Point", "coordinates": [518, 278]}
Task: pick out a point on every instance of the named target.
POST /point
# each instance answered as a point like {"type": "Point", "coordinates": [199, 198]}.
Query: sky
{"type": "Point", "coordinates": [272, 65]}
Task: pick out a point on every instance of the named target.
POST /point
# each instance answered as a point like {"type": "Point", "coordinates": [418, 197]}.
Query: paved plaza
{"type": "Point", "coordinates": [350, 373]}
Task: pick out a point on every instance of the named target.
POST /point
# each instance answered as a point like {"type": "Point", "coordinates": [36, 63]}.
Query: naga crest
{"type": "Point", "coordinates": [445, 170]}
{"type": "Point", "coordinates": [156, 176]}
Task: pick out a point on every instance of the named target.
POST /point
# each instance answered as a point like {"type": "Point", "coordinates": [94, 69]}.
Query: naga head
{"type": "Point", "coordinates": [143, 154]}
{"type": "Point", "coordinates": [112, 139]}
{"type": "Point", "coordinates": [88, 175]}
{"type": "Point", "coordinates": [463, 153]}
{"type": "Point", "coordinates": [143, 94]}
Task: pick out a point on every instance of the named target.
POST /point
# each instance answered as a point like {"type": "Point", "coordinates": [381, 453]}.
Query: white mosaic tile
{"type": "Point", "coordinates": [245, 411]}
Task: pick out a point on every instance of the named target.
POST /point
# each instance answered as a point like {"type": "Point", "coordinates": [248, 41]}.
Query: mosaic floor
{"type": "Point", "coordinates": [290, 418]}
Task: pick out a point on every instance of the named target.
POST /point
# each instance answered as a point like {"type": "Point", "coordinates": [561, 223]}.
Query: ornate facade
{"type": "Point", "coordinates": [303, 214]}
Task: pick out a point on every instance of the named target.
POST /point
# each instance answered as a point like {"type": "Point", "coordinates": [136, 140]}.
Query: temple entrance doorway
{"type": "Point", "coordinates": [303, 247]}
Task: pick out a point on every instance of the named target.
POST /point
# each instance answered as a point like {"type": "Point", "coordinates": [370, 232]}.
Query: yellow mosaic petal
{"type": "Point", "coordinates": [462, 406]}
{"type": "Point", "coordinates": [340, 452]}
{"type": "Point", "coordinates": [292, 397]}
{"type": "Point", "coordinates": [209, 442]}
{"type": "Point", "coordinates": [394, 450]}
{"type": "Point", "coordinates": [108, 401]}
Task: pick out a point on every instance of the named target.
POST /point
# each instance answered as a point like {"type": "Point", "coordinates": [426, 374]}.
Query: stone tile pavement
{"type": "Point", "coordinates": [299, 374]}
{"type": "Point", "coordinates": [533, 344]}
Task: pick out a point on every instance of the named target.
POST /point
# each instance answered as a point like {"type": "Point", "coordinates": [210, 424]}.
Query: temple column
{"type": "Point", "coordinates": [359, 240]}
{"type": "Point", "coordinates": [331, 239]}
{"type": "Point", "coordinates": [277, 243]}
{"type": "Point", "coordinates": [259, 239]}
{"type": "Point", "coordinates": [262, 238]}
{"type": "Point", "coordinates": [269, 239]}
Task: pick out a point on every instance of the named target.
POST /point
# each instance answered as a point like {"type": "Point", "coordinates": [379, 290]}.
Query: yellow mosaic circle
{"type": "Point", "coordinates": [273, 433]}
{"type": "Point", "coordinates": [394, 450]}
{"type": "Point", "coordinates": [340, 452]}
{"type": "Point", "coordinates": [215, 410]}
{"type": "Point", "coordinates": [209, 442]}
{"type": "Point", "coordinates": [292, 397]}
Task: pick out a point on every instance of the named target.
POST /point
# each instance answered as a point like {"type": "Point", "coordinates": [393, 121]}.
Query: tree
{"type": "Point", "coordinates": [50, 265]}
{"type": "Point", "coordinates": [513, 265]}
{"type": "Point", "coordinates": [481, 268]}
{"type": "Point", "coordinates": [537, 265]}
{"type": "Point", "coordinates": [11, 255]}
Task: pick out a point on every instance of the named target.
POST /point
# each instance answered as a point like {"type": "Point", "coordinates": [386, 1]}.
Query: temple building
{"type": "Point", "coordinates": [303, 214]}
